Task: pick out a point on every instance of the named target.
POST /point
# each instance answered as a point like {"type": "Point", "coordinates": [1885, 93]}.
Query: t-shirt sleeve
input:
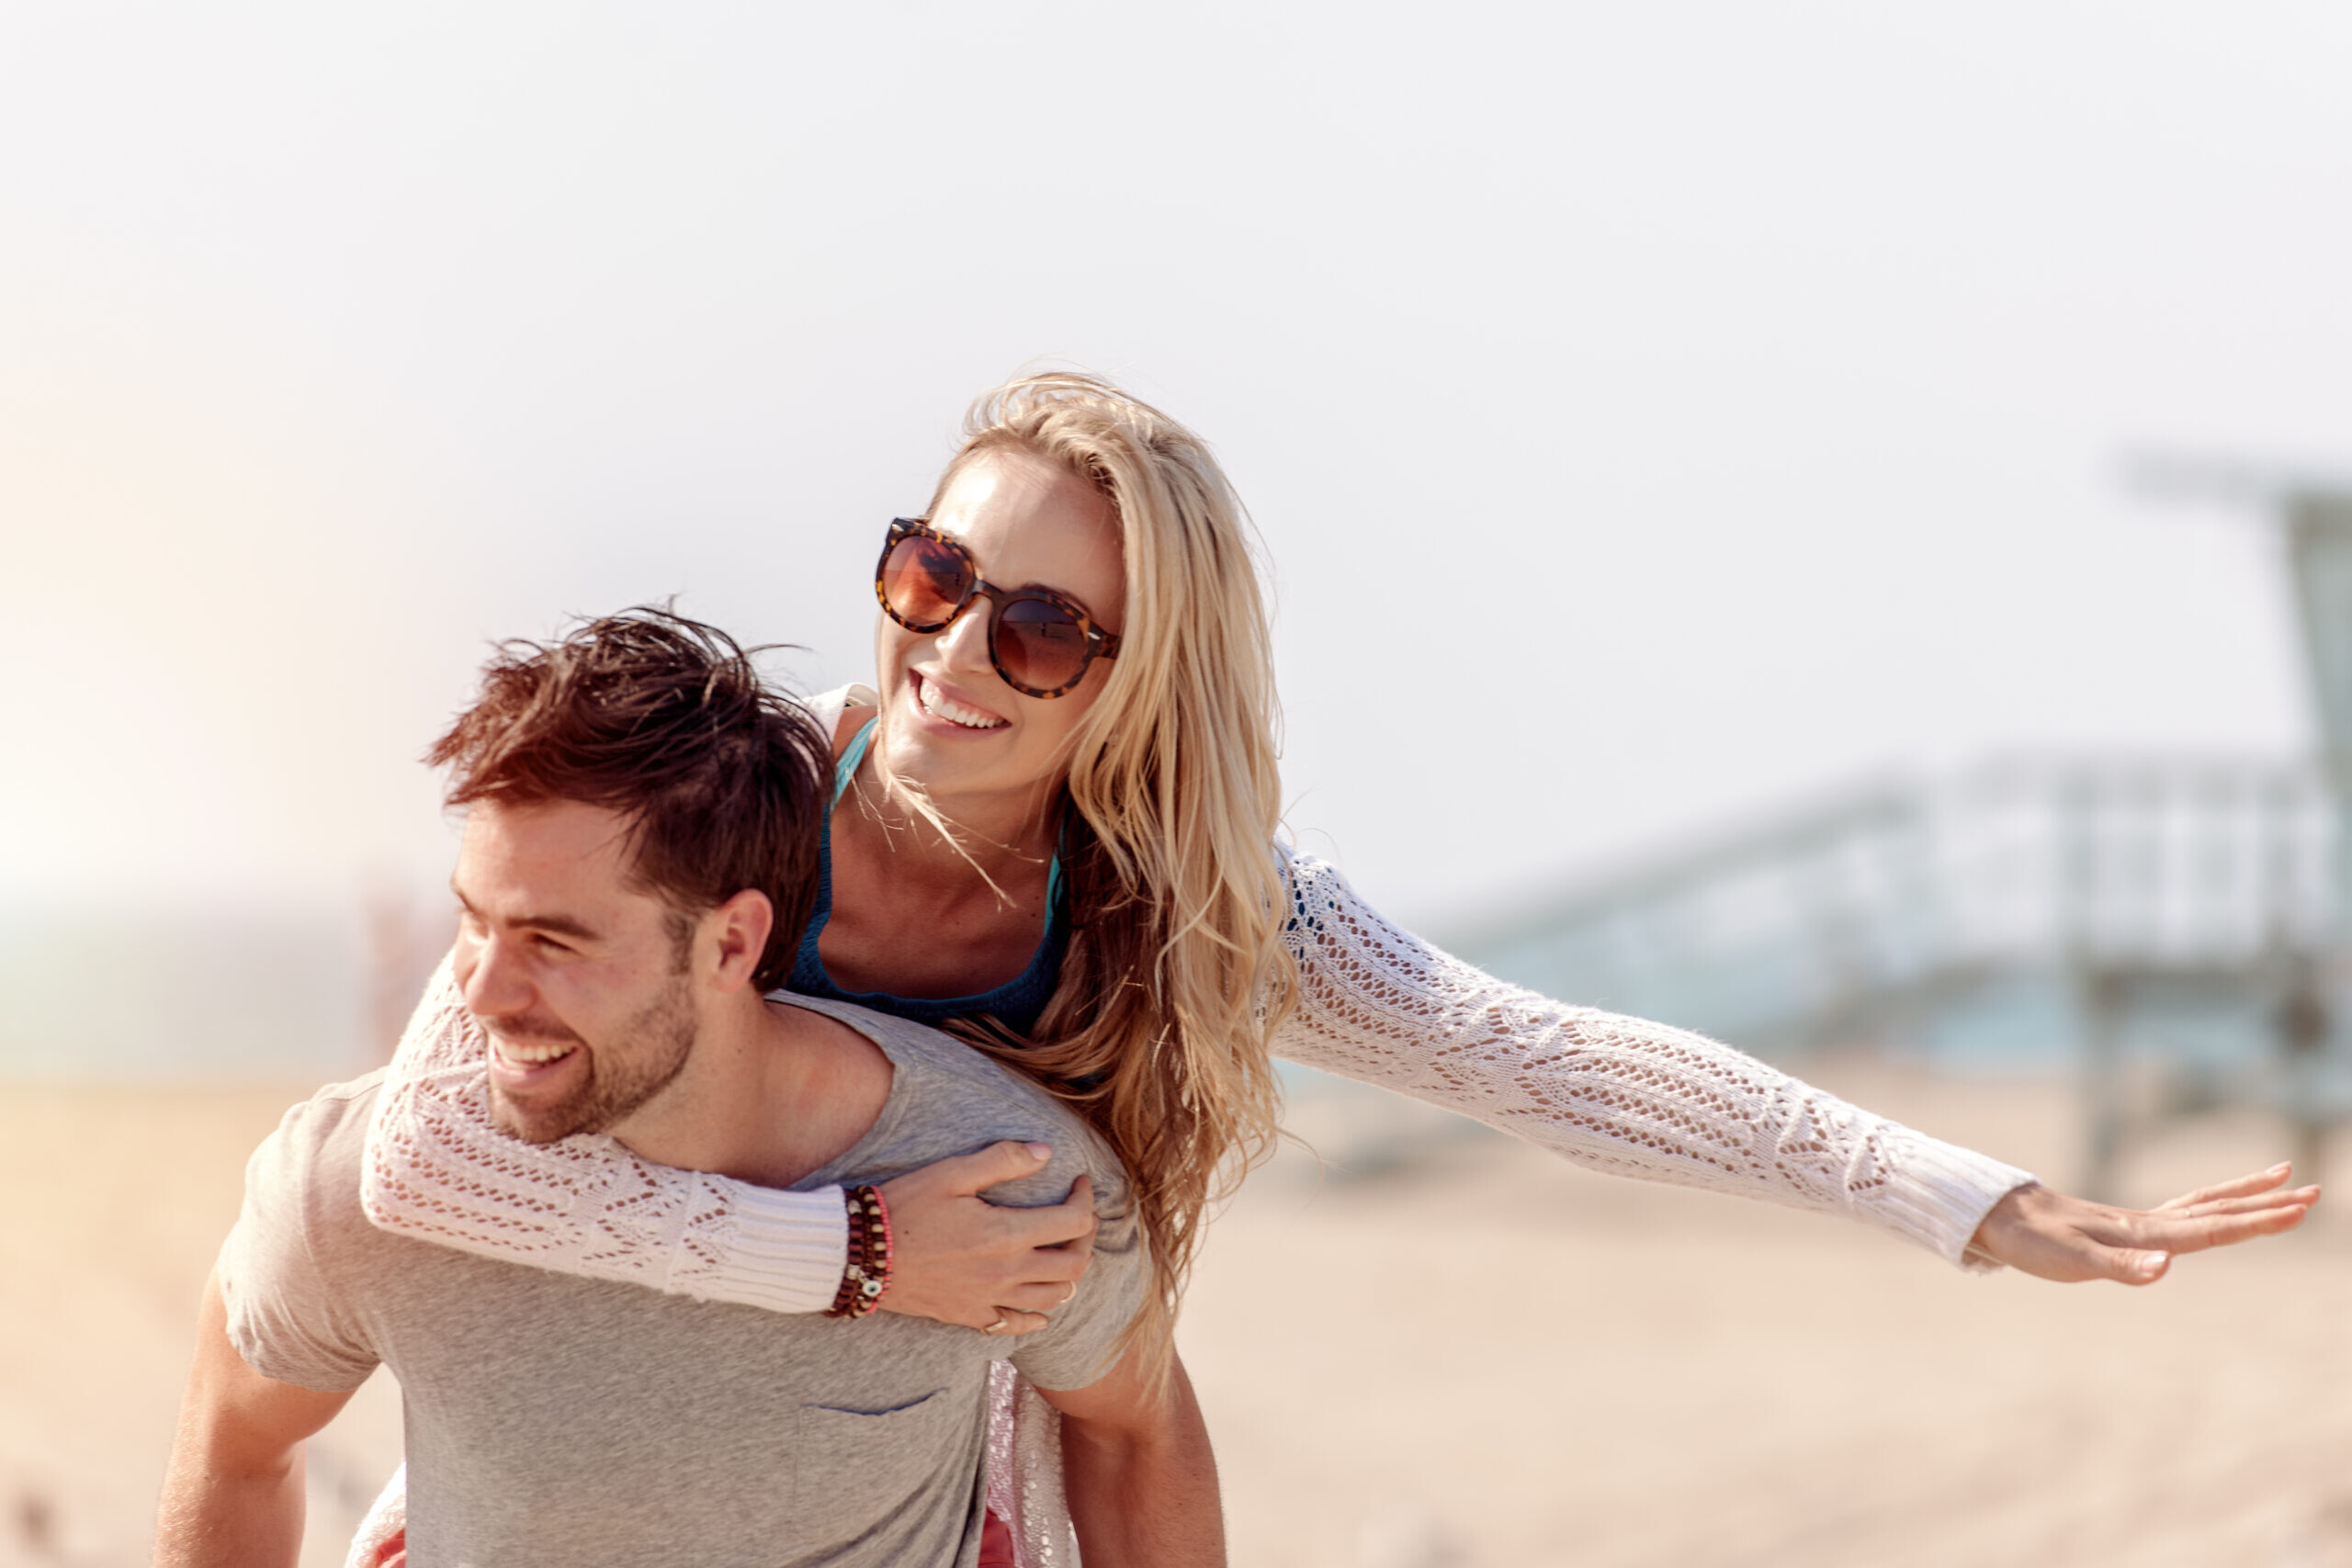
{"type": "Point", "coordinates": [1079, 1345]}
{"type": "Point", "coordinates": [288, 1317]}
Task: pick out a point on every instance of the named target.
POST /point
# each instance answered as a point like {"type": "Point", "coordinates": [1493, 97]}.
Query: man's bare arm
{"type": "Point", "coordinates": [1142, 1482]}
{"type": "Point", "coordinates": [232, 1498]}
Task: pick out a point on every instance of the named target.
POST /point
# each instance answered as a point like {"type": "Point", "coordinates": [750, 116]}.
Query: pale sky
{"type": "Point", "coordinates": [1653, 412]}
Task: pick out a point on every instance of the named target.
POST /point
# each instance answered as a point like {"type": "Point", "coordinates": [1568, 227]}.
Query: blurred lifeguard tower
{"type": "Point", "coordinates": [2179, 926]}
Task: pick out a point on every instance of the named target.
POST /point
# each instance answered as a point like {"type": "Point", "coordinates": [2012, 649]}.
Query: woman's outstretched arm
{"type": "Point", "coordinates": [1378, 1005]}
{"type": "Point", "coordinates": [439, 1170]}
{"type": "Point", "coordinates": [1643, 1099]}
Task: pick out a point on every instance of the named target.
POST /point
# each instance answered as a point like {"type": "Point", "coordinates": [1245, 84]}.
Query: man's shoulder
{"type": "Point", "coordinates": [318, 1147]}
{"type": "Point", "coordinates": [949, 1096]}
{"type": "Point", "coordinates": [290, 1270]}
{"type": "Point", "coordinates": [334, 1111]}
{"type": "Point", "coordinates": [926, 1055]}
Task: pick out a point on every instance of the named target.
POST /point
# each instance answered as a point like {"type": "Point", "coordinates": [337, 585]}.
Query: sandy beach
{"type": "Point", "coordinates": [1486, 1357]}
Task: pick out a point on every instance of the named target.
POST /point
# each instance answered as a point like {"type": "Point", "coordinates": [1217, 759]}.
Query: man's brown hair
{"type": "Point", "coordinates": [666, 721]}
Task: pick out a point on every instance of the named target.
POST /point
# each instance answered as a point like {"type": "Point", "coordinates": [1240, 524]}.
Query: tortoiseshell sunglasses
{"type": "Point", "coordinates": [1040, 641]}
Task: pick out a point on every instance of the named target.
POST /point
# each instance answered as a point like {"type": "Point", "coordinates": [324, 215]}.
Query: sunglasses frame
{"type": "Point", "coordinates": [1099, 644]}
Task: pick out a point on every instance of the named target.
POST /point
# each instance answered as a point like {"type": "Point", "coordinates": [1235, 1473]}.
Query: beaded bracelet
{"type": "Point", "coordinates": [878, 1242]}
{"type": "Point", "coordinates": [866, 1274]}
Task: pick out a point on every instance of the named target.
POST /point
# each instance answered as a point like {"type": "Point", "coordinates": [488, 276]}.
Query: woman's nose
{"type": "Point", "coordinates": [965, 640]}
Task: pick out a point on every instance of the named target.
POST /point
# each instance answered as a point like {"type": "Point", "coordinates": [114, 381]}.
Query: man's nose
{"type": "Point", "coordinates": [495, 984]}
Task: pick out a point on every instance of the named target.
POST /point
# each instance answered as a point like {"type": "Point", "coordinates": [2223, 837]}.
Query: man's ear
{"type": "Point", "coordinates": [741, 926]}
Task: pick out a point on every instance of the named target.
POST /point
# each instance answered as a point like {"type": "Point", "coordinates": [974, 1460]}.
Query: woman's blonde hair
{"type": "Point", "coordinates": [1176, 973]}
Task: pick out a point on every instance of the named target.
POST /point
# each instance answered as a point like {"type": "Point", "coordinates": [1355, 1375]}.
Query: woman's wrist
{"type": "Point", "coordinates": [865, 1273]}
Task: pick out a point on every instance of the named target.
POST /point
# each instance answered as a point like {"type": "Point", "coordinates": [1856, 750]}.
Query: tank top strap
{"type": "Point", "coordinates": [845, 766]}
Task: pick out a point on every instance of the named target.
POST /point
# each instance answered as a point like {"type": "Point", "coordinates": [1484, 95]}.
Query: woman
{"type": "Point", "coordinates": [1064, 780]}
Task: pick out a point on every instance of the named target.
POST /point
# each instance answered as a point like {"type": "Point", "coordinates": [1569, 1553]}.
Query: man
{"type": "Point", "coordinates": [638, 860]}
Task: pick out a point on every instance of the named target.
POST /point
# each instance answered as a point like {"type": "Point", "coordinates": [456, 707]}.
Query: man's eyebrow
{"type": "Point", "coordinates": [562, 925]}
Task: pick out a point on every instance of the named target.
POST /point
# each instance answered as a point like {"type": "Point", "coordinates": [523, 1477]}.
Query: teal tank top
{"type": "Point", "coordinates": [1018, 1001]}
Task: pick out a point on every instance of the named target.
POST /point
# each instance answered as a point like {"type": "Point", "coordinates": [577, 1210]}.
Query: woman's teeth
{"type": "Point", "coordinates": [952, 712]}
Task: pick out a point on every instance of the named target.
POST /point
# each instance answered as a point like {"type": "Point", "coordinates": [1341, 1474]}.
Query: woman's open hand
{"type": "Point", "coordinates": [959, 1259]}
{"type": "Point", "coordinates": [2053, 1236]}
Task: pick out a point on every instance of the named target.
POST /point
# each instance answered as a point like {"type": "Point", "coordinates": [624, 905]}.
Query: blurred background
{"type": "Point", "coordinates": [1823, 523]}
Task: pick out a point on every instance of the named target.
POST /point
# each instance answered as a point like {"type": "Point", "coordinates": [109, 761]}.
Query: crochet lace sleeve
{"type": "Point", "coordinates": [1630, 1098]}
{"type": "Point", "coordinates": [439, 1170]}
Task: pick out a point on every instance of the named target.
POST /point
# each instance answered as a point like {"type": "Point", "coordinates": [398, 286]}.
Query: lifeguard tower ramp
{"type": "Point", "coordinates": [2168, 924]}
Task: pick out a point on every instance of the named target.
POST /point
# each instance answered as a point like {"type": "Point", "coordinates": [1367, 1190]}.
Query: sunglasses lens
{"type": "Point", "coordinates": [924, 580]}
{"type": "Point", "coordinates": [1039, 644]}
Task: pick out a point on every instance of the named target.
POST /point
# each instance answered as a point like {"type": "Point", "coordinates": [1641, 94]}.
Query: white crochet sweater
{"type": "Point", "coordinates": [1375, 1003]}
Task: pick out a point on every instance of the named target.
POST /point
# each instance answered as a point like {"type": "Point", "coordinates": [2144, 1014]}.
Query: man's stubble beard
{"type": "Point", "coordinates": [618, 1086]}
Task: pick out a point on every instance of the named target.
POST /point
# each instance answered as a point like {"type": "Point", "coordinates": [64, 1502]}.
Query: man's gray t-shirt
{"type": "Point", "coordinates": [560, 1421]}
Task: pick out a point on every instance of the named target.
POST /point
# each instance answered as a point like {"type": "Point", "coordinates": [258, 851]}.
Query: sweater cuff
{"type": "Point", "coordinates": [781, 1251]}
{"type": "Point", "coordinates": [1937, 1193]}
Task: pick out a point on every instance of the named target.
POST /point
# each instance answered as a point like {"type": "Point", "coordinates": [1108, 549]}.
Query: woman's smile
{"type": "Point", "coordinates": [949, 705]}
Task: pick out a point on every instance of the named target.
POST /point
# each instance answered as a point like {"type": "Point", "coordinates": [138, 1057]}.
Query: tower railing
{"type": "Point", "coordinates": [2168, 923]}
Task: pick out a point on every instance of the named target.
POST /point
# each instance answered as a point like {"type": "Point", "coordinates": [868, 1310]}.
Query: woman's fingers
{"type": "Point", "coordinates": [2160, 1237]}
{"type": "Point", "coordinates": [972, 1174]}
{"type": "Point", "coordinates": [959, 1259]}
{"type": "Point", "coordinates": [2304, 1197]}
{"type": "Point", "coordinates": [2131, 1266]}
{"type": "Point", "coordinates": [1067, 1228]}
{"type": "Point", "coordinates": [2260, 1181]}
{"type": "Point", "coordinates": [2177, 1232]}
{"type": "Point", "coordinates": [2053, 1236]}
{"type": "Point", "coordinates": [1076, 1224]}
{"type": "Point", "coordinates": [1040, 1296]}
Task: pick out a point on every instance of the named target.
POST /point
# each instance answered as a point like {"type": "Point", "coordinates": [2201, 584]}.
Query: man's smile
{"type": "Point", "coordinates": [518, 1053]}
{"type": "Point", "coordinates": [529, 1068]}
